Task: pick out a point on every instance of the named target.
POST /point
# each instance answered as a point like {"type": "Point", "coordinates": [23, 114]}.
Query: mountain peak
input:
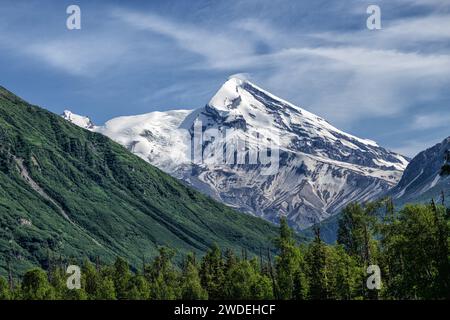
{"type": "Point", "coordinates": [238, 80]}
{"type": "Point", "coordinates": [320, 168]}
{"type": "Point", "coordinates": [239, 93]}
{"type": "Point", "coordinates": [240, 99]}
{"type": "Point", "coordinates": [228, 96]}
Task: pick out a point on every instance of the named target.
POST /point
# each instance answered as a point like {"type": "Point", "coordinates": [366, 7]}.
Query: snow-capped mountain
{"type": "Point", "coordinates": [421, 180]}
{"type": "Point", "coordinates": [318, 168]}
{"type": "Point", "coordinates": [83, 122]}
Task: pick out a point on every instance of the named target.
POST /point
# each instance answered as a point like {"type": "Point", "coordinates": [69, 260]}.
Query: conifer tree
{"type": "Point", "coordinates": [288, 262]}
{"type": "Point", "coordinates": [163, 278]}
{"type": "Point", "coordinates": [351, 230]}
{"type": "Point", "coordinates": [212, 273]}
{"type": "Point", "coordinates": [318, 269]}
{"type": "Point", "coordinates": [301, 285]}
{"type": "Point", "coordinates": [357, 226]}
{"type": "Point", "coordinates": [190, 282]}
{"type": "Point", "coordinates": [442, 251]}
{"type": "Point", "coordinates": [390, 210]}
{"type": "Point", "coordinates": [91, 280]}
{"type": "Point", "coordinates": [230, 260]}
{"type": "Point", "coordinates": [121, 276]}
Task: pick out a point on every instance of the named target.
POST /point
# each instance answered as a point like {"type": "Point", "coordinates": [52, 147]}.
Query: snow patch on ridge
{"type": "Point", "coordinates": [81, 121]}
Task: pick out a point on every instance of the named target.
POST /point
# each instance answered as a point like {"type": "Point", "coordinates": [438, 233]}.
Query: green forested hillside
{"type": "Point", "coordinates": [67, 192]}
{"type": "Point", "coordinates": [403, 256]}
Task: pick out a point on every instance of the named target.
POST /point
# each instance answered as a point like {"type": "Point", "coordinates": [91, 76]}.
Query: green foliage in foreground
{"type": "Point", "coordinates": [411, 248]}
{"type": "Point", "coordinates": [118, 204]}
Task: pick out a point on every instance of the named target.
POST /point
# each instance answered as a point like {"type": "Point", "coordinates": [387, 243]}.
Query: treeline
{"type": "Point", "coordinates": [410, 247]}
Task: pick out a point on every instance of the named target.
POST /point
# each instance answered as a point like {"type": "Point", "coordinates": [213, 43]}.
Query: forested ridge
{"type": "Point", "coordinates": [411, 247]}
{"type": "Point", "coordinates": [71, 192]}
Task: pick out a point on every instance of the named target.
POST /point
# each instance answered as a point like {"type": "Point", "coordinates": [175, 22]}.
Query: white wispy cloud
{"type": "Point", "coordinates": [216, 47]}
{"type": "Point", "coordinates": [431, 120]}
{"type": "Point", "coordinates": [346, 84]}
{"type": "Point", "coordinates": [429, 28]}
{"type": "Point", "coordinates": [400, 34]}
{"type": "Point", "coordinates": [87, 57]}
{"type": "Point", "coordinates": [345, 76]}
{"type": "Point", "coordinates": [371, 76]}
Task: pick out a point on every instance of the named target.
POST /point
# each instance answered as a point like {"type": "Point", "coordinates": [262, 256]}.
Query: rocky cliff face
{"type": "Point", "coordinates": [421, 180]}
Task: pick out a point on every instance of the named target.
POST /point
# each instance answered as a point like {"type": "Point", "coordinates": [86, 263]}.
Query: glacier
{"type": "Point", "coordinates": [320, 168]}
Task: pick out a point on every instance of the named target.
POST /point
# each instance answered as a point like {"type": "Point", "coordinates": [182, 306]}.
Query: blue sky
{"type": "Point", "coordinates": [390, 85]}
